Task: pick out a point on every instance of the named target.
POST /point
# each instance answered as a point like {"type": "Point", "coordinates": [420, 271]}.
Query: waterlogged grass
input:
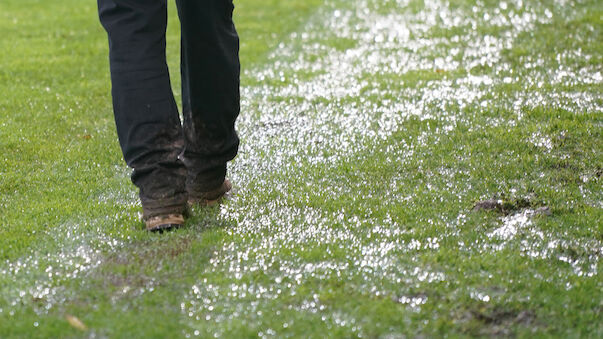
{"type": "Point", "coordinates": [407, 168]}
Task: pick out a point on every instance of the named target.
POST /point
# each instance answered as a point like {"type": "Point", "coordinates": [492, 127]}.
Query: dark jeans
{"type": "Point", "coordinates": [169, 157]}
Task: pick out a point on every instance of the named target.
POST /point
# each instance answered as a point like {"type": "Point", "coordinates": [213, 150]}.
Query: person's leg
{"type": "Point", "coordinates": [146, 115]}
{"type": "Point", "coordinates": [210, 91]}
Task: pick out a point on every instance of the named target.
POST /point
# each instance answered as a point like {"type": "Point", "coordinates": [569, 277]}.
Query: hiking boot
{"type": "Point", "coordinates": [165, 222]}
{"type": "Point", "coordinates": [211, 197]}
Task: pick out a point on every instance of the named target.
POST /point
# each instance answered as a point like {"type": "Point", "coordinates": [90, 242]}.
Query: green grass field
{"type": "Point", "coordinates": [407, 169]}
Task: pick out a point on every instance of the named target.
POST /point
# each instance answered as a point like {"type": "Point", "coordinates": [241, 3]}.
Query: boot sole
{"type": "Point", "coordinates": [164, 222]}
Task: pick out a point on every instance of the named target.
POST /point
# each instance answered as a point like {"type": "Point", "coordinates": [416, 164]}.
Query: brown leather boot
{"type": "Point", "coordinates": [166, 222]}
{"type": "Point", "coordinates": [211, 197]}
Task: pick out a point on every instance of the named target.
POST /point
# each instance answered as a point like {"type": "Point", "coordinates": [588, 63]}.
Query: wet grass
{"type": "Point", "coordinates": [371, 131]}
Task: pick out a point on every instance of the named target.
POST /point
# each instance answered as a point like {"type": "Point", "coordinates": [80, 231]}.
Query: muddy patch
{"type": "Point", "coordinates": [142, 267]}
{"type": "Point", "coordinates": [510, 206]}
{"type": "Point", "coordinates": [498, 321]}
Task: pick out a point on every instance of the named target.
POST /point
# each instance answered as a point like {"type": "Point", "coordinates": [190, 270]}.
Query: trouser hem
{"type": "Point", "coordinates": [205, 180]}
